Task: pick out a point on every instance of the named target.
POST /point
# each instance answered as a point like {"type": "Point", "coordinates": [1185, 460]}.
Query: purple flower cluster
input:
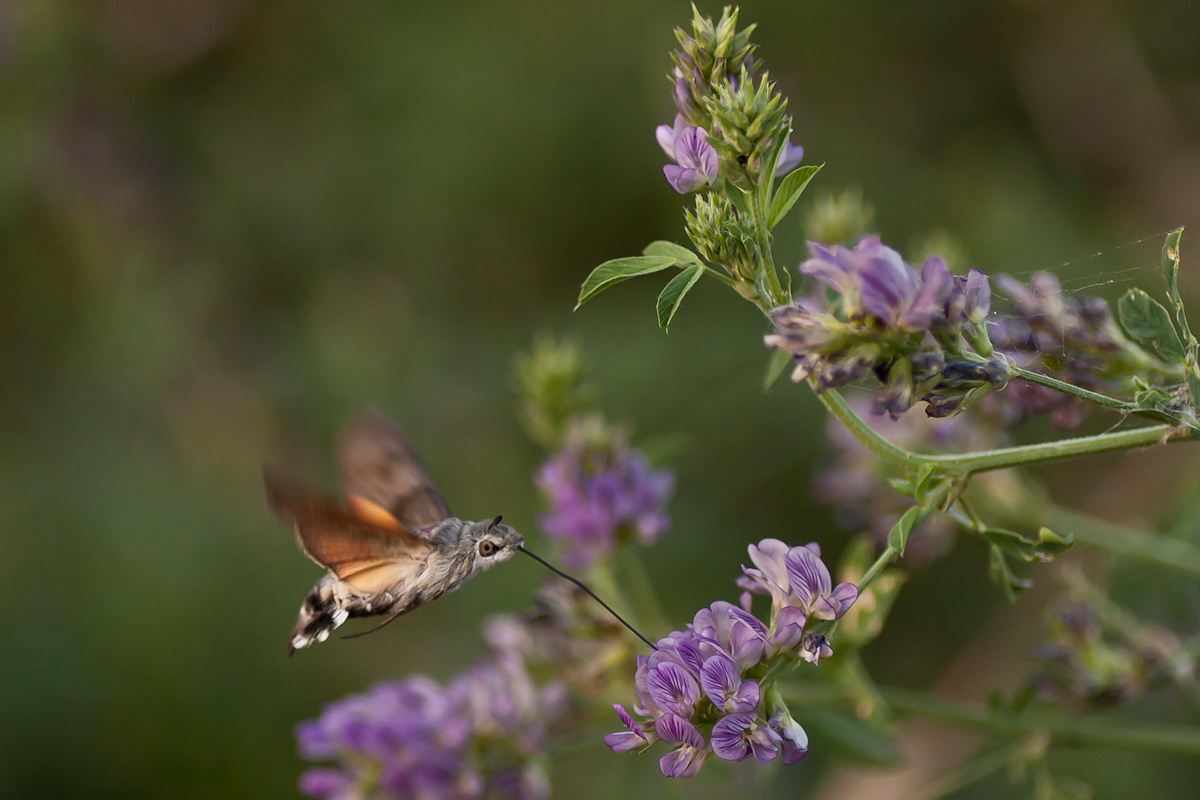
{"type": "Point", "coordinates": [702, 690]}
{"type": "Point", "coordinates": [921, 333]}
{"type": "Point", "coordinates": [597, 493]}
{"type": "Point", "coordinates": [417, 739]}
{"type": "Point", "coordinates": [1074, 339]}
{"type": "Point", "coordinates": [1083, 663]}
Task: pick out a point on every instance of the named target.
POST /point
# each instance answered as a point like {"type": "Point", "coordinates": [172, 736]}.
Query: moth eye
{"type": "Point", "coordinates": [487, 548]}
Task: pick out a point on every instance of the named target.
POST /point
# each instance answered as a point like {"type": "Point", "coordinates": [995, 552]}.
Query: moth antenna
{"type": "Point", "coordinates": [593, 595]}
{"type": "Point", "coordinates": [494, 522]}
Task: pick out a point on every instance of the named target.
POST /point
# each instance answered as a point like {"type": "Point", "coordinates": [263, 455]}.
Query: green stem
{"type": "Point", "coordinates": [1029, 376]}
{"type": "Point", "coordinates": [1003, 458]}
{"type": "Point", "coordinates": [1116, 404]}
{"type": "Point", "coordinates": [762, 238]}
{"type": "Point", "coordinates": [1061, 731]}
{"type": "Point", "coordinates": [886, 557]}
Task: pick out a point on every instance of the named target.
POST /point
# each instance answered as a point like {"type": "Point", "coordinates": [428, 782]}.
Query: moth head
{"type": "Point", "coordinates": [495, 542]}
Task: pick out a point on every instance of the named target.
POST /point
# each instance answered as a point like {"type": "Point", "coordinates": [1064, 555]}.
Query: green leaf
{"type": "Point", "coordinates": [766, 183]}
{"type": "Point", "coordinates": [1002, 575]}
{"type": "Point", "coordinates": [850, 737]}
{"type": "Point", "coordinates": [1148, 396]}
{"type": "Point", "coordinates": [1048, 544]}
{"type": "Point", "coordinates": [898, 535]}
{"type": "Point", "coordinates": [789, 192]}
{"type": "Point", "coordinates": [671, 250]}
{"type": "Point", "coordinates": [613, 272]}
{"type": "Point", "coordinates": [1170, 262]}
{"type": "Point", "coordinates": [778, 363]}
{"type": "Point", "coordinates": [673, 292]}
{"type": "Point", "coordinates": [1193, 381]}
{"type": "Point", "coordinates": [922, 484]}
{"type": "Point", "coordinates": [1149, 324]}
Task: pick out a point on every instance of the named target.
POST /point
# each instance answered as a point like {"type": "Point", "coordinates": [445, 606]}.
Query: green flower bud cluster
{"type": "Point", "coordinates": [707, 58]}
{"type": "Point", "coordinates": [750, 123]}
{"type": "Point", "coordinates": [716, 231]}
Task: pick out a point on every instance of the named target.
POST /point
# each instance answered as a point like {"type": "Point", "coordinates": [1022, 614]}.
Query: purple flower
{"type": "Point", "coordinates": [873, 278]}
{"type": "Point", "coordinates": [696, 162]}
{"type": "Point", "coordinates": [632, 739]}
{"type": "Point", "coordinates": [789, 159]}
{"type": "Point", "coordinates": [721, 678]}
{"type": "Point", "coordinates": [787, 630]}
{"type": "Point", "coordinates": [796, 576]}
{"type": "Point", "coordinates": [327, 784]}
{"type": "Point", "coordinates": [415, 738]}
{"type": "Point", "coordinates": [691, 749]}
{"type": "Point", "coordinates": [697, 677]}
{"type": "Point", "coordinates": [737, 736]}
{"type": "Point", "coordinates": [814, 648]}
{"type": "Point", "coordinates": [672, 688]}
{"type": "Point", "coordinates": [976, 294]}
{"type": "Point", "coordinates": [1072, 338]}
{"type": "Point", "coordinates": [888, 320]}
{"type": "Point", "coordinates": [682, 647]}
{"type": "Point", "coordinates": [812, 586]}
{"type": "Point", "coordinates": [793, 739]}
{"type": "Point", "coordinates": [771, 576]}
{"type": "Point", "coordinates": [597, 494]}
{"type": "Point", "coordinates": [723, 627]}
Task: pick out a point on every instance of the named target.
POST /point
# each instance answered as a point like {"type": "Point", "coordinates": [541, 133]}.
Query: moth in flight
{"type": "Point", "coordinates": [392, 545]}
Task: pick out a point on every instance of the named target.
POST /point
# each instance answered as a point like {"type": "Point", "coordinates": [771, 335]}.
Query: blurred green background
{"type": "Point", "coordinates": [225, 225]}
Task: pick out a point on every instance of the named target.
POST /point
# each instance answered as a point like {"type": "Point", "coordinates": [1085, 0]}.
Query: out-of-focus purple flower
{"type": "Point", "coordinates": [417, 739]}
{"type": "Point", "coordinates": [1089, 661]}
{"type": "Point", "coordinates": [1074, 339]}
{"type": "Point", "coordinates": [528, 782]}
{"type": "Point", "coordinates": [327, 784]}
{"type": "Point", "coordinates": [690, 752]}
{"type": "Point", "coordinates": [789, 159]}
{"type": "Point", "coordinates": [696, 163]}
{"type": "Point", "coordinates": [737, 736]}
{"type": "Point", "coordinates": [855, 481]}
{"type": "Point", "coordinates": [597, 494]}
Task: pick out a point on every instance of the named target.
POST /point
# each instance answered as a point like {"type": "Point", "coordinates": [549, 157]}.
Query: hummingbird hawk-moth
{"type": "Point", "coordinates": [393, 545]}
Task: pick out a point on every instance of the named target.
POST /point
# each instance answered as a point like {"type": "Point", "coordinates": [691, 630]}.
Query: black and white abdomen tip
{"type": "Point", "coordinates": [319, 616]}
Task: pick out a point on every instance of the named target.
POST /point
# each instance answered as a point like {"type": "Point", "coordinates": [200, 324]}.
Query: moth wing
{"type": "Point", "coordinates": [379, 464]}
{"type": "Point", "coordinates": [366, 553]}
